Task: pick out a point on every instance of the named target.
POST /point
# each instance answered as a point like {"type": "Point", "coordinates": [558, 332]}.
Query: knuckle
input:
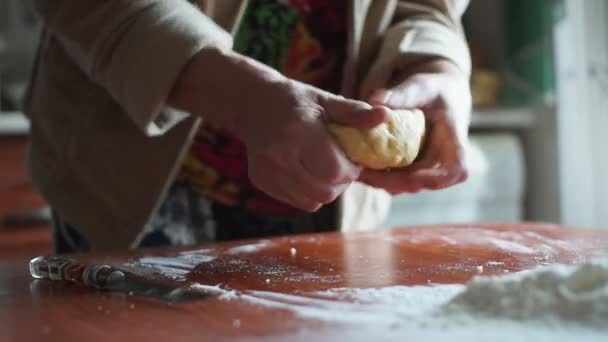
{"type": "Point", "coordinates": [329, 195]}
{"type": "Point", "coordinates": [464, 175]}
{"type": "Point", "coordinates": [325, 196]}
{"type": "Point", "coordinates": [340, 170]}
{"type": "Point", "coordinates": [310, 207]}
{"type": "Point", "coordinates": [324, 169]}
{"type": "Point", "coordinates": [254, 176]}
{"type": "Point", "coordinates": [461, 171]}
{"type": "Point", "coordinates": [346, 173]}
{"type": "Point", "coordinates": [335, 173]}
{"type": "Point", "coordinates": [405, 190]}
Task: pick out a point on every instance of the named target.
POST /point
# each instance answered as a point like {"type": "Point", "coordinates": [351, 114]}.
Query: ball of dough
{"type": "Point", "coordinates": [392, 144]}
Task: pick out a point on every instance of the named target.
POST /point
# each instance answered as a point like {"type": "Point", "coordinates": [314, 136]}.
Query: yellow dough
{"type": "Point", "coordinates": [392, 144]}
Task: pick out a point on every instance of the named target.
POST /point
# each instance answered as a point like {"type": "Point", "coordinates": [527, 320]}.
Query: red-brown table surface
{"type": "Point", "coordinates": [43, 310]}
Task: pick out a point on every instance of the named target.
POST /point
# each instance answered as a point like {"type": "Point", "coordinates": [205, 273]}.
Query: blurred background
{"type": "Point", "coordinates": [540, 88]}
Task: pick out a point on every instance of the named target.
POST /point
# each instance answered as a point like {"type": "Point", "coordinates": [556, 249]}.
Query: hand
{"type": "Point", "coordinates": [442, 91]}
{"type": "Point", "coordinates": [291, 155]}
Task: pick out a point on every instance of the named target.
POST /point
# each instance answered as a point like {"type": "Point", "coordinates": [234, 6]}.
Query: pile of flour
{"type": "Point", "coordinates": [549, 294]}
{"type": "Point", "coordinates": [576, 293]}
{"type": "Point", "coordinates": [551, 303]}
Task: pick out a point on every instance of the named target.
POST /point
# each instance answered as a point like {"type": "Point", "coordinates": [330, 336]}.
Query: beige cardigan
{"type": "Point", "coordinates": [104, 145]}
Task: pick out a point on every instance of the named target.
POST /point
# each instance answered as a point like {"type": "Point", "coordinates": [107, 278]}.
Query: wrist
{"type": "Point", "coordinates": [432, 65]}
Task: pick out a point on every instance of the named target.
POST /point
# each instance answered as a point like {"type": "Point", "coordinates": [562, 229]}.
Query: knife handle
{"type": "Point", "coordinates": [64, 269]}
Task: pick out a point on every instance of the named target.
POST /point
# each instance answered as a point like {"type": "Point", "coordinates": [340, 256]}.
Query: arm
{"type": "Point", "coordinates": [430, 70]}
{"type": "Point", "coordinates": [431, 28]}
{"type": "Point", "coordinates": [162, 58]}
{"type": "Point", "coordinates": [420, 30]}
{"type": "Point", "coordinates": [291, 155]}
{"type": "Point", "coordinates": [135, 49]}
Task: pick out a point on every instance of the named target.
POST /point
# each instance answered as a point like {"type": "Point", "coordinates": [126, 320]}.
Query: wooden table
{"type": "Point", "coordinates": [260, 280]}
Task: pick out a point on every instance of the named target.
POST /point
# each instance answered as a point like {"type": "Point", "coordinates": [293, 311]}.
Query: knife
{"type": "Point", "coordinates": [105, 277]}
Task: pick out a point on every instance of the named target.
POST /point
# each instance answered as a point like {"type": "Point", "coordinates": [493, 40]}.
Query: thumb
{"type": "Point", "coordinates": [356, 114]}
{"type": "Point", "coordinates": [409, 94]}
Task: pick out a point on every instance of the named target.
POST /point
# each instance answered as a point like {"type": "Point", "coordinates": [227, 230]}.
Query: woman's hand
{"type": "Point", "coordinates": [442, 91]}
{"type": "Point", "coordinates": [282, 122]}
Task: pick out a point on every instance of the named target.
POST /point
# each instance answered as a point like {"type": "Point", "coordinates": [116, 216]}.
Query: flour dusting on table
{"type": "Point", "coordinates": [250, 248]}
{"type": "Point", "coordinates": [175, 267]}
{"type": "Point", "coordinates": [551, 303]}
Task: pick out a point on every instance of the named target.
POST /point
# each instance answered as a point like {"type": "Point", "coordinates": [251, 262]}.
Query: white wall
{"type": "Point", "coordinates": [582, 114]}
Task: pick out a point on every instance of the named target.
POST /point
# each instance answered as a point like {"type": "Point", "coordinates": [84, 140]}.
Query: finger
{"type": "Point", "coordinates": [434, 171]}
{"type": "Point", "coordinates": [435, 178]}
{"type": "Point", "coordinates": [441, 165]}
{"type": "Point", "coordinates": [317, 190]}
{"type": "Point", "coordinates": [353, 113]}
{"type": "Point", "coordinates": [295, 187]}
{"type": "Point", "coordinates": [428, 173]}
{"type": "Point", "coordinates": [324, 161]}
{"type": "Point", "coordinates": [412, 93]}
{"type": "Point", "coordinates": [391, 181]}
{"type": "Point", "coordinates": [396, 182]}
{"type": "Point", "coordinates": [279, 185]}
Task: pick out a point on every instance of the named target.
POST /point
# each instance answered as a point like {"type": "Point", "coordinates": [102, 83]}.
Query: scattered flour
{"type": "Point", "coordinates": [216, 290]}
{"type": "Point", "coordinates": [167, 271]}
{"type": "Point", "coordinates": [526, 243]}
{"type": "Point", "coordinates": [557, 293]}
{"type": "Point", "coordinates": [251, 248]}
{"type": "Point", "coordinates": [184, 260]}
{"type": "Point", "coordinates": [552, 303]}
{"type": "Point", "coordinates": [495, 263]}
{"type": "Point", "coordinates": [565, 292]}
{"type": "Point", "coordinates": [175, 267]}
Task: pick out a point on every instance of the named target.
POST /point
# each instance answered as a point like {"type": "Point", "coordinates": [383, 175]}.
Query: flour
{"type": "Point", "coordinates": [555, 303]}
{"type": "Point", "coordinates": [175, 267]}
{"type": "Point", "coordinates": [559, 292]}
{"type": "Point", "coordinates": [215, 290]}
{"type": "Point", "coordinates": [524, 243]}
{"type": "Point", "coordinates": [495, 263]}
{"type": "Point", "coordinates": [250, 248]}
{"type": "Point", "coordinates": [548, 295]}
